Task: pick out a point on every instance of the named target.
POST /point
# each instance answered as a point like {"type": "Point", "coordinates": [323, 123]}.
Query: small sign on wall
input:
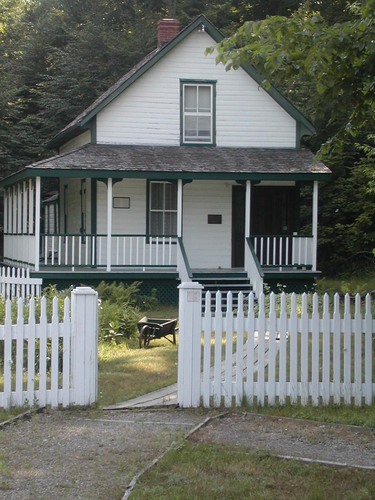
{"type": "Point", "coordinates": [214, 219]}
{"type": "Point", "coordinates": [121, 202]}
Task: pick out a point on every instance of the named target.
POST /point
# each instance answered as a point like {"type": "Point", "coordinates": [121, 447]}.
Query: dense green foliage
{"type": "Point", "coordinates": [325, 64]}
{"type": "Point", "coordinates": [120, 310]}
{"type": "Point", "coordinates": [57, 56]}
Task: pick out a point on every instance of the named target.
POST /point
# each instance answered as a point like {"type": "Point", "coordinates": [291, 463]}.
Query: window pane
{"type": "Point", "coordinates": [204, 99]}
{"type": "Point", "coordinates": [190, 98]}
{"type": "Point", "coordinates": [170, 223]}
{"type": "Point", "coordinates": [191, 126]}
{"type": "Point", "coordinates": [204, 126]}
{"type": "Point", "coordinates": [157, 196]}
{"type": "Point", "coordinates": [170, 196]}
{"type": "Point", "coordinates": [156, 223]}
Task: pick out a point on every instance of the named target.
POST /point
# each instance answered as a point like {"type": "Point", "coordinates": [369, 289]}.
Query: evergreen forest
{"type": "Point", "coordinates": [58, 56]}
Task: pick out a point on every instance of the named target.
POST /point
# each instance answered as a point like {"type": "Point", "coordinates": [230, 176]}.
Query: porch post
{"type": "Point", "coordinates": [6, 191]}
{"type": "Point", "coordinates": [109, 224]}
{"type": "Point", "coordinates": [19, 208]}
{"type": "Point", "coordinates": [179, 208]}
{"type": "Point", "coordinates": [247, 209]}
{"type": "Point", "coordinates": [37, 221]}
{"type": "Point", "coordinates": [315, 225]}
{"type": "Point", "coordinates": [31, 207]}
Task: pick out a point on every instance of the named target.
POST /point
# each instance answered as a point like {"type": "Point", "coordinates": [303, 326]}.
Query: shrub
{"type": "Point", "coordinates": [119, 309]}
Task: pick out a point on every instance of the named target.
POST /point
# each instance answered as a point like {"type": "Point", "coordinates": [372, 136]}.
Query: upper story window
{"type": "Point", "coordinates": [197, 115]}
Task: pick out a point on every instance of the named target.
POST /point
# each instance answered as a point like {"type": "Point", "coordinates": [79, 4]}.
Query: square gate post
{"type": "Point", "coordinates": [189, 345]}
{"type": "Point", "coordinates": [84, 345]}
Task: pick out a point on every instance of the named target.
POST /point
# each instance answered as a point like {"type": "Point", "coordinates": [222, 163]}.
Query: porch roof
{"type": "Point", "coordinates": [177, 162]}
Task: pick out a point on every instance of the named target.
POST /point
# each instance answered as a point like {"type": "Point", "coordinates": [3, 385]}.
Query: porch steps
{"type": "Point", "coordinates": [223, 282]}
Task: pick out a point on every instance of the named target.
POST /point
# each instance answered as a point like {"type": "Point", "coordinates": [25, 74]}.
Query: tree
{"type": "Point", "coordinates": [320, 65]}
{"type": "Point", "coordinates": [327, 69]}
{"type": "Point", "coordinates": [57, 56]}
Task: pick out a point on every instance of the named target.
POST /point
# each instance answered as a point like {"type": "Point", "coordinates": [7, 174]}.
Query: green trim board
{"type": "Point", "coordinates": [83, 121]}
{"type": "Point", "coordinates": [93, 130]}
{"type": "Point", "coordinates": [101, 275]}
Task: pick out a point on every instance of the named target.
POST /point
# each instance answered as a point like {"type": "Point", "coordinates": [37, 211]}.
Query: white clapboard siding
{"type": "Point", "coordinates": [148, 112]}
{"type": "Point", "coordinates": [281, 347]}
{"type": "Point", "coordinates": [19, 248]}
{"type": "Point", "coordinates": [16, 282]}
{"type": "Point", "coordinates": [45, 360]}
{"type": "Point", "coordinates": [207, 245]}
{"type": "Point", "coordinates": [76, 142]}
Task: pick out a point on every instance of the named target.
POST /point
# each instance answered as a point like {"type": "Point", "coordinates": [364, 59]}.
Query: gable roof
{"type": "Point", "coordinates": [178, 162]}
{"type": "Point", "coordinates": [82, 121]}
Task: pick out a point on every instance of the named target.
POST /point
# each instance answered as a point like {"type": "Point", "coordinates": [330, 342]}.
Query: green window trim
{"type": "Point", "coordinates": [201, 117]}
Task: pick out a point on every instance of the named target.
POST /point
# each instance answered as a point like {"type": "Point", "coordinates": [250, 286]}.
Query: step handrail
{"type": "Point", "coordinates": [183, 266]}
{"type": "Point", "coordinates": [253, 268]}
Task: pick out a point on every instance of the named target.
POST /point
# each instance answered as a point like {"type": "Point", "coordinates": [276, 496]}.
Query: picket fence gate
{"type": "Point", "coordinates": [50, 362]}
{"type": "Point", "coordinates": [268, 355]}
{"type": "Point", "coordinates": [16, 282]}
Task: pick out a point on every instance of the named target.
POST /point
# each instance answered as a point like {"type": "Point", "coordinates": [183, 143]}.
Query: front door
{"type": "Point", "coordinates": [238, 226]}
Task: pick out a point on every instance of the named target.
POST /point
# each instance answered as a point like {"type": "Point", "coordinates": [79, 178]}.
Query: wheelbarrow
{"type": "Point", "coordinates": [154, 328]}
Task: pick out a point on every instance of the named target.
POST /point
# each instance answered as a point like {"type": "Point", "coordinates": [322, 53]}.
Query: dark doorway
{"type": "Point", "coordinates": [273, 213]}
{"type": "Point", "coordinates": [238, 225]}
{"type": "Point", "coordinates": [273, 210]}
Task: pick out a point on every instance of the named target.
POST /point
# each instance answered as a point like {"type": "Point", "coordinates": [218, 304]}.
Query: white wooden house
{"type": "Point", "coordinates": [180, 171]}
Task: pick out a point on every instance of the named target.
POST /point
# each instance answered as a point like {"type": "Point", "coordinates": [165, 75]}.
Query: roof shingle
{"type": "Point", "coordinates": [185, 159]}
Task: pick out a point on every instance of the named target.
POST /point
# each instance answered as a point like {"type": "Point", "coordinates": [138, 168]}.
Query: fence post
{"type": "Point", "coordinates": [84, 345]}
{"type": "Point", "coordinates": [189, 345]}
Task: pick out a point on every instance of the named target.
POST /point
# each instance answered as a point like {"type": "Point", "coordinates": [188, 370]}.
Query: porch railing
{"type": "Point", "coordinates": [90, 250]}
{"type": "Point", "coordinates": [284, 250]}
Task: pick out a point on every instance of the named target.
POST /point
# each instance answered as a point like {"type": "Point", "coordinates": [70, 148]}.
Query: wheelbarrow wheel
{"type": "Point", "coordinates": [143, 337]}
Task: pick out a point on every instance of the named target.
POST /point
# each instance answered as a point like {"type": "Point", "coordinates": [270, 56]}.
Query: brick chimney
{"type": "Point", "coordinates": [167, 29]}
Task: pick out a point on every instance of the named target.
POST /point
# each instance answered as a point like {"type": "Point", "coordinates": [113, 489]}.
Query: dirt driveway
{"type": "Point", "coordinates": [96, 454]}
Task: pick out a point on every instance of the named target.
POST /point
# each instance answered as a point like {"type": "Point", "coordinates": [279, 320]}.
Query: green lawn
{"type": "Point", "coordinates": [200, 471]}
{"type": "Point", "coordinates": [125, 371]}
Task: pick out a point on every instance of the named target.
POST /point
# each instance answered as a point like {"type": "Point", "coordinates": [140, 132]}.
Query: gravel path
{"type": "Point", "coordinates": [84, 455]}
{"type": "Point", "coordinates": [95, 454]}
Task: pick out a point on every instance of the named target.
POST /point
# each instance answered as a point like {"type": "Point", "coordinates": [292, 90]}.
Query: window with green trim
{"type": "Point", "coordinates": [163, 208]}
{"type": "Point", "coordinates": [197, 114]}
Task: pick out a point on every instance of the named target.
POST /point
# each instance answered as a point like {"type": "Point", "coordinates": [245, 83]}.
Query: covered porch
{"type": "Point", "coordinates": [157, 220]}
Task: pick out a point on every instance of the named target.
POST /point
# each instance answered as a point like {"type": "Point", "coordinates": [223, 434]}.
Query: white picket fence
{"type": "Point", "coordinates": [295, 351]}
{"type": "Point", "coordinates": [16, 282]}
{"type": "Point", "coordinates": [50, 362]}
